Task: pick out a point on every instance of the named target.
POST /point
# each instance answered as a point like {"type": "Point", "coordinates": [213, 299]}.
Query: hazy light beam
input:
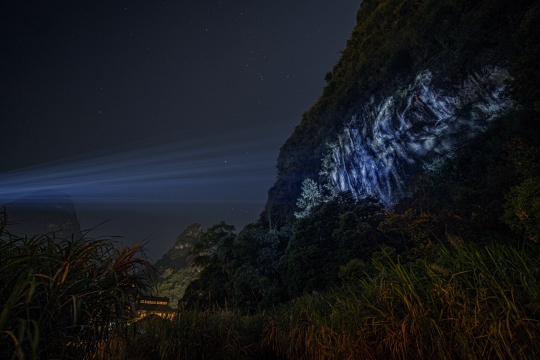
{"type": "Point", "coordinates": [153, 173]}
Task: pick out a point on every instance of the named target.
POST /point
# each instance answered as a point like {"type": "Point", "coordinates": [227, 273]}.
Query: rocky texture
{"type": "Point", "coordinates": [174, 268]}
{"type": "Point", "coordinates": [178, 257]}
{"type": "Point", "coordinates": [417, 127]}
{"type": "Point", "coordinates": [415, 80]}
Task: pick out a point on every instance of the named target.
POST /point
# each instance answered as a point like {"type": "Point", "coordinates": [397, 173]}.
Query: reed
{"type": "Point", "coordinates": [72, 299]}
{"type": "Point", "coordinates": [195, 334]}
{"type": "Point", "coordinates": [468, 303]}
{"type": "Point", "coordinates": [66, 298]}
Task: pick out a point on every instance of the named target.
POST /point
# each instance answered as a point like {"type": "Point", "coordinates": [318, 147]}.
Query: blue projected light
{"type": "Point", "coordinates": [388, 140]}
{"type": "Point", "coordinates": [191, 172]}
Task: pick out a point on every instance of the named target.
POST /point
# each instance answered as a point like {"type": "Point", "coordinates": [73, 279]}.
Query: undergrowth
{"type": "Point", "coordinates": [466, 302]}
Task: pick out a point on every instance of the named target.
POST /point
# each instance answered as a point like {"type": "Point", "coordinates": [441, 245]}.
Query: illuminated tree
{"type": "Point", "coordinates": [312, 195]}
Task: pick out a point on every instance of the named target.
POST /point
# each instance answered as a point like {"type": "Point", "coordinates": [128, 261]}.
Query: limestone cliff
{"type": "Point", "coordinates": [174, 268]}
{"type": "Point", "coordinates": [416, 80]}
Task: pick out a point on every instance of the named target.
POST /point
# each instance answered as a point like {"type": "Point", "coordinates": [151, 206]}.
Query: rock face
{"type": "Point", "coordinates": [177, 258]}
{"type": "Point", "coordinates": [43, 213]}
{"type": "Point", "coordinates": [413, 130]}
{"type": "Point", "coordinates": [387, 140]}
{"type": "Point", "coordinates": [174, 268]}
{"type": "Point", "coordinates": [415, 81]}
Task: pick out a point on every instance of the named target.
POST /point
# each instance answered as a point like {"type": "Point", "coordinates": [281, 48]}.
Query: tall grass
{"type": "Point", "coordinates": [72, 298]}
{"type": "Point", "coordinates": [195, 334]}
{"type": "Point", "coordinates": [470, 303]}
{"type": "Point", "coordinates": [66, 298]}
{"type": "Point", "coordinates": [466, 302]}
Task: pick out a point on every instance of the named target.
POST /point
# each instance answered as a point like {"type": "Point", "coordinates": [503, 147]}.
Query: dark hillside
{"type": "Point", "coordinates": [392, 42]}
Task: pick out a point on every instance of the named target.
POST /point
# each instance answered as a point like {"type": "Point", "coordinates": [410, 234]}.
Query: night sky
{"type": "Point", "coordinates": [155, 115]}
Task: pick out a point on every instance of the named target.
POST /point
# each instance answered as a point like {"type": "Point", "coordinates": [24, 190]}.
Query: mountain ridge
{"type": "Point", "coordinates": [392, 42]}
{"type": "Point", "coordinates": [43, 212]}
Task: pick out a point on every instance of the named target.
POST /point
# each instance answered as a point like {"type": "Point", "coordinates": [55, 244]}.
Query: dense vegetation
{"type": "Point", "coordinates": [174, 270]}
{"type": "Point", "coordinates": [66, 298]}
{"type": "Point", "coordinates": [392, 42]}
{"type": "Point", "coordinates": [451, 272]}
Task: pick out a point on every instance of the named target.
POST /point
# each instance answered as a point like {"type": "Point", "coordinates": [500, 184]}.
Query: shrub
{"type": "Point", "coordinates": [66, 298]}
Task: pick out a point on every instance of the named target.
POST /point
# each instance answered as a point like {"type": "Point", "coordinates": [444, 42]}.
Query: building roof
{"type": "Point", "coordinates": [154, 304]}
{"type": "Point", "coordinates": [155, 308]}
{"type": "Point", "coordinates": [154, 298]}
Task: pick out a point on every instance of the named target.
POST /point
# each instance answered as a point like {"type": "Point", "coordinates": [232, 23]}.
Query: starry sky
{"type": "Point", "coordinates": [155, 115]}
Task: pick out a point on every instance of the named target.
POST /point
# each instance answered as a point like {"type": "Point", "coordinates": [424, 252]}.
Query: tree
{"type": "Point", "coordinates": [330, 236]}
{"type": "Point", "coordinates": [524, 87]}
{"type": "Point", "coordinates": [211, 254]}
{"type": "Point", "coordinates": [205, 250]}
{"type": "Point", "coordinates": [238, 270]}
{"type": "Point", "coordinates": [523, 209]}
{"type": "Point", "coordinates": [312, 195]}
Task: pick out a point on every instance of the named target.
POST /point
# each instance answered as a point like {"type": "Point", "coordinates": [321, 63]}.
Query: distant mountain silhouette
{"type": "Point", "coordinates": [175, 270]}
{"type": "Point", "coordinates": [179, 257]}
{"type": "Point", "coordinates": [42, 212]}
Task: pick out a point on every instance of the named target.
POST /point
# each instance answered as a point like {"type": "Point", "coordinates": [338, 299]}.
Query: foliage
{"type": "Point", "coordinates": [353, 271]}
{"type": "Point", "coordinates": [210, 253]}
{"type": "Point", "coordinates": [66, 298]}
{"type": "Point", "coordinates": [238, 270]}
{"type": "Point", "coordinates": [312, 195]}
{"type": "Point", "coordinates": [196, 334]}
{"type": "Point", "coordinates": [472, 302]}
{"type": "Point", "coordinates": [212, 243]}
{"type": "Point", "coordinates": [392, 41]}
{"type": "Point", "coordinates": [254, 270]}
{"type": "Point", "coordinates": [173, 283]}
{"type": "Point", "coordinates": [524, 87]}
{"type": "Point", "coordinates": [333, 234]}
{"type": "Point", "coordinates": [524, 157]}
{"type": "Point", "coordinates": [469, 301]}
{"type": "Point", "coordinates": [523, 208]}
{"type": "Point", "coordinates": [420, 231]}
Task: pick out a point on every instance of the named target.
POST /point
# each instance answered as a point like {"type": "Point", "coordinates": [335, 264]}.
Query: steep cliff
{"type": "Point", "coordinates": [178, 257]}
{"type": "Point", "coordinates": [416, 80]}
{"type": "Point", "coordinates": [415, 129]}
{"type": "Point", "coordinates": [174, 268]}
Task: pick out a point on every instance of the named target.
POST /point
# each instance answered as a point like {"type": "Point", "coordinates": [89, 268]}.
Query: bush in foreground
{"type": "Point", "coordinates": [66, 298]}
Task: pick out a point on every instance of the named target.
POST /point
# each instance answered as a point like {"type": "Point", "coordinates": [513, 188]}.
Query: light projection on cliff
{"type": "Point", "coordinates": [390, 139]}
